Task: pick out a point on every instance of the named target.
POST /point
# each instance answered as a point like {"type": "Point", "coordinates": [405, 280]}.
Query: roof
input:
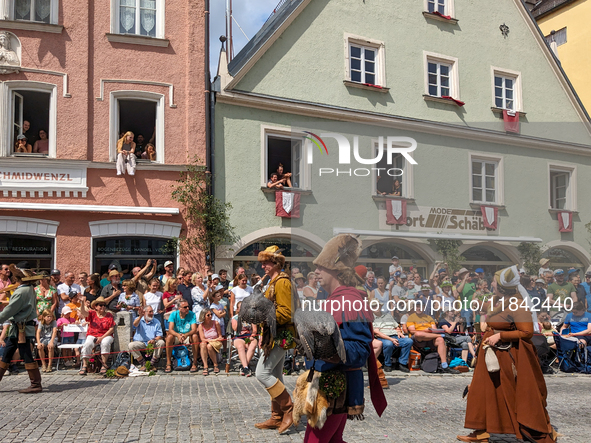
{"type": "Point", "coordinates": [281, 13]}
{"type": "Point", "coordinates": [544, 7]}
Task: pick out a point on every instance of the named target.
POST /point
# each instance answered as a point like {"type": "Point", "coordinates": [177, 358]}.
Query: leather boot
{"type": "Point", "coordinates": [3, 369]}
{"type": "Point", "coordinates": [276, 416]}
{"type": "Point", "coordinates": [35, 377]}
{"type": "Point", "coordinates": [286, 405]}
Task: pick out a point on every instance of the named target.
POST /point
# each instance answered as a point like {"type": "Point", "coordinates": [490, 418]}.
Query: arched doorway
{"type": "Point", "coordinates": [486, 257]}
{"type": "Point", "coordinates": [561, 258]}
{"type": "Point", "coordinates": [297, 254]}
{"type": "Point", "coordinates": [378, 257]}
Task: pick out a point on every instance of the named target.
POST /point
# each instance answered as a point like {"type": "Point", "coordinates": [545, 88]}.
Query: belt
{"type": "Point", "coordinates": [352, 369]}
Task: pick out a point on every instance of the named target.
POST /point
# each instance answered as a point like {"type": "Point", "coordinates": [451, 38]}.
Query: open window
{"type": "Point", "coordinates": [393, 179]}
{"type": "Point", "coordinates": [562, 188]}
{"type": "Point", "coordinates": [143, 114]}
{"type": "Point", "coordinates": [286, 151]}
{"type": "Point", "coordinates": [30, 108]}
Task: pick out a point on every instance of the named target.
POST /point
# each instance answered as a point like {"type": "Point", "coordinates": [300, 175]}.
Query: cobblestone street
{"type": "Point", "coordinates": [183, 408]}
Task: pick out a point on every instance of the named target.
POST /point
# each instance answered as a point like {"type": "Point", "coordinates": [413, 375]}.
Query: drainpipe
{"type": "Point", "coordinates": [208, 108]}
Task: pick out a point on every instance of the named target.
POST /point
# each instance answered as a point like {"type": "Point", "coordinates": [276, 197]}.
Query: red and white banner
{"type": "Point", "coordinates": [287, 204]}
{"type": "Point", "coordinates": [565, 221]}
{"type": "Point", "coordinates": [511, 119]}
{"type": "Point", "coordinates": [490, 216]}
{"type": "Point", "coordinates": [395, 212]}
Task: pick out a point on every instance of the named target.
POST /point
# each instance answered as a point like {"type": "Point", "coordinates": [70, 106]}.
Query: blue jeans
{"type": "Point", "coordinates": [405, 344]}
{"type": "Point", "coordinates": [467, 314]}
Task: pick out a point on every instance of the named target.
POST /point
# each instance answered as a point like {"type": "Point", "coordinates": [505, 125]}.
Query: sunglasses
{"type": "Point", "coordinates": [208, 315]}
{"type": "Point", "coordinates": [100, 305]}
{"type": "Point", "coordinates": [184, 307]}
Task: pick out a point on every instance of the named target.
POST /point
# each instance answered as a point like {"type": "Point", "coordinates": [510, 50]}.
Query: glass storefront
{"type": "Point", "coordinates": [38, 251]}
{"type": "Point", "coordinates": [378, 258]}
{"type": "Point", "coordinates": [561, 258]}
{"type": "Point", "coordinates": [129, 252]}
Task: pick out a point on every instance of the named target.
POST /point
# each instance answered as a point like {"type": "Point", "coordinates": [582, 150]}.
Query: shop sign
{"type": "Point", "coordinates": [38, 179]}
{"type": "Point", "coordinates": [439, 219]}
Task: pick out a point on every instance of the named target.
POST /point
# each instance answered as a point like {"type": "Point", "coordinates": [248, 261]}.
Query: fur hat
{"type": "Point", "coordinates": [272, 254]}
{"type": "Point", "coordinates": [23, 275]}
{"type": "Point", "coordinates": [339, 253]}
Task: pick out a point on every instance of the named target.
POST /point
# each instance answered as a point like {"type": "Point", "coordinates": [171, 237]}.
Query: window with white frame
{"type": "Point", "coordinates": [506, 89]}
{"type": "Point", "coordinates": [31, 109]}
{"type": "Point", "coordinates": [363, 64]}
{"type": "Point", "coordinates": [485, 181]}
{"type": "Point", "coordinates": [394, 178]}
{"type": "Point", "coordinates": [284, 157]}
{"type": "Point", "coordinates": [561, 188]}
{"type": "Point", "coordinates": [40, 11]}
{"type": "Point", "coordinates": [138, 17]}
{"type": "Point", "coordinates": [441, 76]}
{"type": "Point", "coordinates": [141, 113]}
{"type": "Point", "coordinates": [437, 6]}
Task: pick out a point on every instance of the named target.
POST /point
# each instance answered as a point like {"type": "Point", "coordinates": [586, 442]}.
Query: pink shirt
{"type": "Point", "coordinates": [211, 333]}
{"type": "Point", "coordinates": [65, 321]}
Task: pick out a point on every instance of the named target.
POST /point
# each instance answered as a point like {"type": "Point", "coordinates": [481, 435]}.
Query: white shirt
{"type": "Point", "coordinates": [153, 300]}
{"type": "Point", "coordinates": [240, 294]}
{"type": "Point", "coordinates": [66, 289]}
{"type": "Point", "coordinates": [392, 270]}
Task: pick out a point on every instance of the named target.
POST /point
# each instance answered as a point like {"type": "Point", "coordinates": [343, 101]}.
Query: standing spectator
{"type": "Point", "coordinates": [93, 290]}
{"type": "Point", "coordinates": [56, 278]}
{"type": "Point", "coordinates": [382, 295]}
{"type": "Point", "coordinates": [242, 333]}
{"type": "Point", "coordinates": [223, 280]}
{"type": "Point", "coordinates": [67, 290]}
{"type": "Point", "coordinates": [154, 298]}
{"type": "Point", "coordinates": [549, 278]}
{"type": "Point", "coordinates": [239, 292]}
{"type": "Point", "coordinates": [4, 276]}
{"type": "Point", "coordinates": [128, 300]}
{"type": "Point", "coordinates": [300, 282]}
{"type": "Point", "coordinates": [186, 286]}
{"type": "Point", "coordinates": [148, 330]}
{"type": "Point", "coordinates": [416, 279]}
{"type": "Point", "coordinates": [113, 290]}
{"type": "Point", "coordinates": [370, 281]}
{"type": "Point", "coordinates": [210, 335]}
{"type": "Point", "coordinates": [46, 295]}
{"type": "Point", "coordinates": [537, 293]}
{"type": "Point", "coordinates": [388, 331]}
{"type": "Point", "coordinates": [83, 281]}
{"type": "Point", "coordinates": [544, 267]}
{"type": "Point", "coordinates": [216, 306]}
{"type": "Point", "coordinates": [141, 277]}
{"type": "Point", "coordinates": [46, 338]}
{"type": "Point", "coordinates": [587, 286]}
{"type": "Point", "coordinates": [101, 326]}
{"type": "Point", "coordinates": [126, 159]}
{"type": "Point", "coordinates": [399, 289]}
{"type": "Point", "coordinates": [447, 295]}
{"type": "Point", "coordinates": [239, 270]}
{"type": "Point", "coordinates": [168, 272]}
{"type": "Point", "coordinates": [559, 291]}
{"type": "Point", "coordinates": [200, 294]}
{"type": "Point", "coordinates": [466, 289]}
{"type": "Point", "coordinates": [182, 329]}
{"type": "Point", "coordinates": [311, 289]}
{"type": "Point", "coordinates": [581, 292]}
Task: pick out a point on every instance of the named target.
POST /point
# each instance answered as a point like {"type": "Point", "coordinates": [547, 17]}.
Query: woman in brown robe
{"type": "Point", "coordinates": [512, 400]}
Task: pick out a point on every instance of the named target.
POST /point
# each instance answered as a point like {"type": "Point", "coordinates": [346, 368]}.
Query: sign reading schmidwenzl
{"type": "Point", "coordinates": [442, 219]}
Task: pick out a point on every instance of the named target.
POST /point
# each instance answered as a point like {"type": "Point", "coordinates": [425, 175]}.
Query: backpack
{"type": "Point", "coordinates": [430, 362]}
{"type": "Point", "coordinates": [122, 359]}
{"type": "Point", "coordinates": [180, 358]}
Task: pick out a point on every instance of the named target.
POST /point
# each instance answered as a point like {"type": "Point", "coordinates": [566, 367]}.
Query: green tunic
{"type": "Point", "coordinates": [21, 308]}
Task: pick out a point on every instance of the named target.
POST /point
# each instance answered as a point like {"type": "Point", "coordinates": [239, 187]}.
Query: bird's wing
{"type": "Point", "coordinates": [307, 342]}
{"type": "Point", "coordinates": [339, 344]}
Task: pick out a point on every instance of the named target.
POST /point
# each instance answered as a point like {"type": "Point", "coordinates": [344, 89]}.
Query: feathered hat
{"type": "Point", "coordinates": [272, 254]}
{"type": "Point", "coordinates": [339, 253]}
{"type": "Point", "coordinates": [23, 275]}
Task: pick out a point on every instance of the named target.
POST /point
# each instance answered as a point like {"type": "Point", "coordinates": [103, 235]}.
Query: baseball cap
{"type": "Point", "coordinates": [559, 272]}
{"type": "Point", "coordinates": [112, 266]}
{"type": "Point", "coordinates": [55, 272]}
{"type": "Point", "coordinates": [218, 288]}
{"type": "Point", "coordinates": [397, 274]}
{"type": "Point", "coordinates": [522, 271]}
{"type": "Point", "coordinates": [462, 271]}
{"type": "Point", "coordinates": [588, 273]}
{"type": "Point", "coordinates": [66, 310]}
{"type": "Point", "coordinates": [572, 271]}
{"type": "Point", "coordinates": [442, 270]}
{"type": "Point", "coordinates": [21, 137]}
{"type": "Point", "coordinates": [394, 258]}
{"type": "Point", "coordinates": [445, 283]}
{"type": "Point", "coordinates": [479, 271]}
{"type": "Point", "coordinates": [214, 276]}
{"type": "Point", "coordinates": [540, 280]}
{"type": "Point", "coordinates": [168, 263]}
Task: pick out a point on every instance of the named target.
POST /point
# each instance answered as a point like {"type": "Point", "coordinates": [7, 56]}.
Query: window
{"type": "Point", "coordinates": [286, 151]}
{"type": "Point", "coordinates": [38, 251]}
{"type": "Point", "coordinates": [393, 179]}
{"type": "Point", "coordinates": [441, 76]}
{"type": "Point", "coordinates": [31, 108]}
{"type": "Point", "coordinates": [436, 6]}
{"type": "Point", "coordinates": [506, 89]}
{"type": "Point", "coordinates": [41, 11]}
{"type": "Point", "coordinates": [561, 191]}
{"type": "Point", "coordinates": [484, 177]}
{"type": "Point", "coordinates": [138, 17]}
{"type": "Point", "coordinates": [363, 64]}
{"type": "Point", "coordinates": [141, 113]}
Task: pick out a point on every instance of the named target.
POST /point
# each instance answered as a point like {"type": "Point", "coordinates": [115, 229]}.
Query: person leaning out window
{"type": "Point", "coordinates": [126, 154]}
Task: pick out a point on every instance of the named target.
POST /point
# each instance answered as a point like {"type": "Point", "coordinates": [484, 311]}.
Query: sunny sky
{"type": "Point", "coordinates": [250, 15]}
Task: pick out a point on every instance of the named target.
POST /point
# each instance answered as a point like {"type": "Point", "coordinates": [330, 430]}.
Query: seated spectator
{"type": "Point", "coordinates": [126, 154]}
{"type": "Point", "coordinates": [245, 341]}
{"type": "Point", "coordinates": [450, 323]}
{"type": "Point", "coordinates": [548, 331]}
{"type": "Point", "coordinates": [578, 324]}
{"type": "Point", "coordinates": [129, 300]}
{"type": "Point", "coordinates": [380, 294]}
{"type": "Point", "coordinates": [101, 326]}
{"type": "Point", "coordinates": [419, 326]}
{"type": "Point", "coordinates": [182, 330]}
{"type": "Point", "coordinates": [274, 182]}
{"type": "Point", "coordinates": [149, 153]}
{"type": "Point", "coordinates": [210, 334]}
{"type": "Point", "coordinates": [239, 292]}
{"type": "Point", "coordinates": [216, 306]}
{"type": "Point", "coordinates": [46, 338]}
{"type": "Point", "coordinates": [284, 177]}
{"type": "Point", "coordinates": [21, 145]}
{"type": "Point", "coordinates": [199, 293]}
{"type": "Point", "coordinates": [41, 146]}
{"type": "Point", "coordinates": [148, 330]}
{"type": "Point", "coordinates": [67, 338]}
{"type": "Point", "coordinates": [388, 331]}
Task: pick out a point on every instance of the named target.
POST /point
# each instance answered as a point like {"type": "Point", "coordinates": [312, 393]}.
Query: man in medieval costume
{"type": "Point", "coordinates": [21, 313]}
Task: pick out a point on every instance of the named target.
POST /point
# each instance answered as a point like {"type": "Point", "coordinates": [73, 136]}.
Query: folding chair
{"type": "Point", "coordinates": [70, 328]}
{"type": "Point", "coordinates": [570, 355]}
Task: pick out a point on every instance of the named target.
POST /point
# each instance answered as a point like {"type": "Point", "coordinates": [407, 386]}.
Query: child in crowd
{"type": "Point", "coordinates": [548, 330]}
{"type": "Point", "coordinates": [46, 338]}
{"type": "Point", "coordinates": [245, 341]}
{"type": "Point", "coordinates": [394, 268]}
{"type": "Point", "coordinates": [217, 307]}
{"type": "Point", "coordinates": [67, 337]}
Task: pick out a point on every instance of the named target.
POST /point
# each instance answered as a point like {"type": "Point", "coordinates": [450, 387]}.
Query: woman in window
{"type": "Point", "coordinates": [126, 154]}
{"type": "Point", "coordinates": [397, 188]}
{"type": "Point", "coordinates": [22, 145]}
{"type": "Point", "coordinates": [150, 153]}
{"type": "Point", "coordinates": [41, 146]}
